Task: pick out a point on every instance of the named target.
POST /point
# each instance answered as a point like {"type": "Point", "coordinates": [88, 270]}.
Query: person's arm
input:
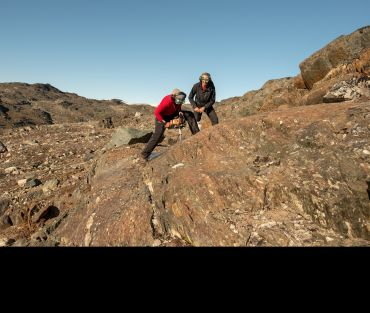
{"type": "Point", "coordinates": [191, 96]}
{"type": "Point", "coordinates": [212, 101]}
{"type": "Point", "coordinates": [160, 109]}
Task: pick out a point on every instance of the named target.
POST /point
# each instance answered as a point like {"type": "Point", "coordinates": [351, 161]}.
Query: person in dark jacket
{"type": "Point", "coordinates": [169, 109]}
{"type": "Point", "coordinates": [202, 97]}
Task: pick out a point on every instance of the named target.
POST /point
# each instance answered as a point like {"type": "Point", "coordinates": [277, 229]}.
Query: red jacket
{"type": "Point", "coordinates": [167, 107]}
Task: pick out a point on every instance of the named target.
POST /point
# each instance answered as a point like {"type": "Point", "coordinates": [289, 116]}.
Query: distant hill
{"type": "Point", "coordinates": [39, 104]}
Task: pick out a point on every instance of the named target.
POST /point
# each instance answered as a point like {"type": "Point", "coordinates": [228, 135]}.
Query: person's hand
{"type": "Point", "coordinates": [201, 110]}
{"type": "Point", "coordinates": [168, 124]}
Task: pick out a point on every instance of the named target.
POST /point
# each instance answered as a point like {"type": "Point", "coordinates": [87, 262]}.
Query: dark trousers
{"type": "Point", "coordinates": [211, 114]}
{"type": "Point", "coordinates": [160, 129]}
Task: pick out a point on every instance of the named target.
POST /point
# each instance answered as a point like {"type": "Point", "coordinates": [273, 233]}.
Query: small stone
{"type": "Point", "coordinates": [178, 165]}
{"type": "Point", "coordinates": [50, 185]}
{"type": "Point", "coordinates": [32, 183]}
{"type": "Point", "coordinates": [31, 142]}
{"type": "Point", "coordinates": [157, 243]}
{"type": "Point", "coordinates": [367, 152]}
{"type": "Point", "coordinates": [22, 182]}
{"type": "Point", "coordinates": [10, 170]}
{"type": "Point", "coordinates": [268, 225]}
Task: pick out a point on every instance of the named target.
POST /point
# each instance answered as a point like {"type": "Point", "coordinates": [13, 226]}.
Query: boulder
{"type": "Point", "coordinates": [344, 49]}
{"type": "Point", "coordinates": [128, 136]}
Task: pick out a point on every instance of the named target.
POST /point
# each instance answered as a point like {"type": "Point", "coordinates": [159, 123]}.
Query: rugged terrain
{"type": "Point", "coordinates": [42, 104]}
{"type": "Point", "coordinates": [287, 166]}
{"type": "Point", "coordinates": [345, 58]}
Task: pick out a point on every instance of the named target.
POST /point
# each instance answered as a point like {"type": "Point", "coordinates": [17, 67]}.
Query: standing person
{"type": "Point", "coordinates": [205, 97]}
{"type": "Point", "coordinates": [169, 109]}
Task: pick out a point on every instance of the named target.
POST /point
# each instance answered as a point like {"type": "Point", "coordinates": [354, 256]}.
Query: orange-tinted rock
{"type": "Point", "coordinates": [299, 82]}
{"type": "Point", "coordinates": [241, 183]}
{"type": "Point", "coordinates": [344, 49]}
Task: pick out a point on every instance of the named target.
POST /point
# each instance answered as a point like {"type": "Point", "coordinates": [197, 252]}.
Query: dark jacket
{"type": "Point", "coordinates": [203, 98]}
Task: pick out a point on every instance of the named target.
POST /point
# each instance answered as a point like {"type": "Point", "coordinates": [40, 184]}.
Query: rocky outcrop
{"type": "Point", "coordinates": [343, 50]}
{"type": "Point", "coordinates": [344, 59]}
{"type": "Point", "coordinates": [289, 178]}
{"type": "Point", "coordinates": [114, 209]}
{"type": "Point", "coordinates": [273, 95]}
{"type": "Point", "coordinates": [349, 90]}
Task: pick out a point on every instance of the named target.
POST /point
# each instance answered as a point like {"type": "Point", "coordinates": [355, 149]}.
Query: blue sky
{"type": "Point", "coordinates": [139, 50]}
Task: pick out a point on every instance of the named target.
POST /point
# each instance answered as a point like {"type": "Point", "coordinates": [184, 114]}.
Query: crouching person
{"type": "Point", "coordinates": [169, 109]}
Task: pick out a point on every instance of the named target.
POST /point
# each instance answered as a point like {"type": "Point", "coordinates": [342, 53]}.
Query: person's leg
{"type": "Point", "coordinates": [212, 116]}
{"type": "Point", "coordinates": [198, 116]}
{"type": "Point", "coordinates": [154, 140]}
{"type": "Point", "coordinates": [190, 118]}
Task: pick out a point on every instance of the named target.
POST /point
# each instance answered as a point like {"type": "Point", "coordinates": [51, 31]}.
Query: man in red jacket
{"type": "Point", "coordinates": [166, 112]}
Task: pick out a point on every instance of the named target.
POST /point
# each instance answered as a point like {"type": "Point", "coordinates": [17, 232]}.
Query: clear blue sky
{"type": "Point", "coordinates": [139, 50]}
